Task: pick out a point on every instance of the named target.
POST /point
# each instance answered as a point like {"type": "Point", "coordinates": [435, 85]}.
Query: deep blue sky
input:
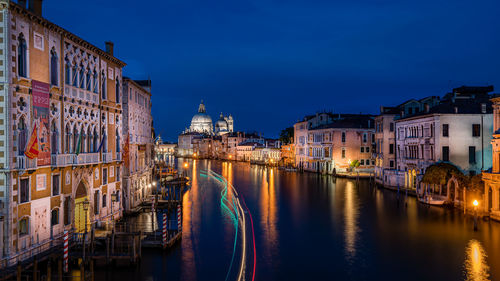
{"type": "Point", "coordinates": [270, 62]}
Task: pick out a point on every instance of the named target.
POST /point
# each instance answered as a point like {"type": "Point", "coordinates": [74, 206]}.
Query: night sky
{"type": "Point", "coordinates": [270, 63]}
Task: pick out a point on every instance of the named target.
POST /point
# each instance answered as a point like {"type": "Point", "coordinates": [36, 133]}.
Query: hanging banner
{"type": "Point", "coordinates": [41, 101]}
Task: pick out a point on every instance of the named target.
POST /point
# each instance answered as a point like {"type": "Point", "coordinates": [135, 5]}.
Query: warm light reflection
{"type": "Point", "coordinates": [191, 220]}
{"type": "Point", "coordinates": [351, 215]}
{"type": "Point", "coordinates": [268, 206]}
{"type": "Point", "coordinates": [476, 267]}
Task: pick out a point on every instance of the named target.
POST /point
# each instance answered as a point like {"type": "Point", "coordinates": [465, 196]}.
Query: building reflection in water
{"type": "Point", "coordinates": [351, 216]}
{"type": "Point", "coordinates": [476, 267]}
{"type": "Point", "coordinates": [268, 210]}
{"type": "Point", "coordinates": [191, 220]}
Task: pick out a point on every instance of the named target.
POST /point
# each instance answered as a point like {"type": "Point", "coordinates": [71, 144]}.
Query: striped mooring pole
{"type": "Point", "coordinates": [66, 249]}
{"type": "Point", "coordinates": [179, 225]}
{"type": "Point", "coordinates": [164, 230]}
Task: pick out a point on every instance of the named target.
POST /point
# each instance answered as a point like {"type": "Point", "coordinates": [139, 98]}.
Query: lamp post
{"type": "Point", "coordinates": [475, 203]}
{"type": "Point", "coordinates": [186, 165]}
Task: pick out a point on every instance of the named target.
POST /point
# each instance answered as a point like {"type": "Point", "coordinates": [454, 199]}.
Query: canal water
{"type": "Point", "coordinates": [313, 227]}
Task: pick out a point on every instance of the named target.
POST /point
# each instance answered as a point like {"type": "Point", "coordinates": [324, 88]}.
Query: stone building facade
{"type": "Point", "coordinates": [328, 143]}
{"type": "Point", "coordinates": [138, 168]}
{"type": "Point", "coordinates": [70, 90]}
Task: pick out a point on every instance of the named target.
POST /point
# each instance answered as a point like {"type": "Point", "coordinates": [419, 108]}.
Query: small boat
{"type": "Point", "coordinates": [428, 199]}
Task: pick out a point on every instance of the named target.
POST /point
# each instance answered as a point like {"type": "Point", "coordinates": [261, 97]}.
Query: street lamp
{"type": "Point", "coordinates": [475, 203]}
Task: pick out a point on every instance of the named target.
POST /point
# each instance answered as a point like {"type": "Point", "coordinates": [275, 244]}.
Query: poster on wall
{"type": "Point", "coordinates": [41, 119]}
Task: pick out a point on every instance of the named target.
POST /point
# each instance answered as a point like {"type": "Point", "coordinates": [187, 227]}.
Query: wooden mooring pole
{"type": "Point", "coordinates": [49, 270]}
{"type": "Point", "coordinates": [18, 271]}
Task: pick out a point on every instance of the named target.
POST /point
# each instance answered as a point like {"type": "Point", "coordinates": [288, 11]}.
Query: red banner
{"type": "Point", "coordinates": [32, 150]}
{"type": "Point", "coordinates": [41, 102]}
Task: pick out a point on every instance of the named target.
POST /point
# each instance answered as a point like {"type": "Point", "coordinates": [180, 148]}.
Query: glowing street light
{"type": "Point", "coordinates": [194, 154]}
{"type": "Point", "coordinates": [475, 203]}
{"type": "Point", "coordinates": [230, 156]}
{"type": "Point", "coordinates": [186, 165]}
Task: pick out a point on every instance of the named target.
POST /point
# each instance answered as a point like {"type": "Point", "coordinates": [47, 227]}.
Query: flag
{"type": "Point", "coordinates": [78, 146]}
{"type": "Point", "coordinates": [100, 146]}
{"type": "Point", "coordinates": [32, 148]}
{"type": "Point", "coordinates": [125, 151]}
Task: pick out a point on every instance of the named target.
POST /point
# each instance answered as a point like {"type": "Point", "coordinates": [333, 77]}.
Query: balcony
{"type": "Point", "coordinates": [82, 94]}
{"type": "Point", "coordinates": [118, 156]}
{"type": "Point", "coordinates": [59, 160]}
{"type": "Point", "coordinates": [107, 157]}
{"type": "Point", "coordinates": [86, 158]}
{"type": "Point", "coordinates": [23, 163]}
{"type": "Point", "coordinates": [73, 159]}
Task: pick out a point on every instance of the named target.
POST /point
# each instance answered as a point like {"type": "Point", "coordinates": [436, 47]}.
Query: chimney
{"type": "Point", "coordinates": [109, 47]}
{"type": "Point", "coordinates": [33, 5]}
{"type": "Point", "coordinates": [456, 110]}
{"type": "Point", "coordinates": [427, 107]}
{"type": "Point", "coordinates": [483, 108]}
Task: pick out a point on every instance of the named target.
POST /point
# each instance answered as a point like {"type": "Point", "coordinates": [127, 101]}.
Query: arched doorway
{"type": "Point", "coordinates": [490, 199]}
{"type": "Point", "coordinates": [81, 215]}
{"type": "Point", "coordinates": [452, 185]}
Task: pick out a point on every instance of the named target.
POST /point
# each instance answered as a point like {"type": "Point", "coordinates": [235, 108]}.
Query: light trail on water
{"type": "Point", "coordinates": [233, 207]}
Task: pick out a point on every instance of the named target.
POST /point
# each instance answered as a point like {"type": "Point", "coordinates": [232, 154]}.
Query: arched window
{"type": "Point", "coordinates": [83, 141]}
{"type": "Point", "coordinates": [104, 140]}
{"type": "Point", "coordinates": [89, 81]}
{"type": "Point", "coordinates": [24, 226]}
{"type": "Point", "coordinates": [117, 90]}
{"type": "Point", "coordinates": [82, 78]}
{"type": "Point", "coordinates": [67, 74]}
{"type": "Point", "coordinates": [22, 57]}
{"type": "Point", "coordinates": [95, 140]}
{"type": "Point", "coordinates": [103, 85]}
{"type": "Point", "coordinates": [117, 140]}
{"type": "Point", "coordinates": [53, 138]}
{"type": "Point", "coordinates": [54, 217]}
{"type": "Point", "coordinates": [96, 83]}
{"type": "Point", "coordinates": [89, 141]}
{"type": "Point", "coordinates": [23, 135]}
{"type": "Point", "coordinates": [67, 140]}
{"type": "Point", "coordinates": [75, 76]}
{"type": "Point", "coordinates": [75, 139]}
{"type": "Point", "coordinates": [53, 68]}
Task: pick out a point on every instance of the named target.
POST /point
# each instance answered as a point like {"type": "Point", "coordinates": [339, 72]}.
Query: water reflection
{"type": "Point", "coordinates": [268, 210]}
{"type": "Point", "coordinates": [476, 267]}
{"type": "Point", "coordinates": [351, 215]}
{"type": "Point", "coordinates": [190, 220]}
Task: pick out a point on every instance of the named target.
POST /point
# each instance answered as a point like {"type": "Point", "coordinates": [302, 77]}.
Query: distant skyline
{"type": "Point", "coordinates": [269, 63]}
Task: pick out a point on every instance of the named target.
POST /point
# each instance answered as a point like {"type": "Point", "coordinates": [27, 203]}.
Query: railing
{"type": "Point", "coordinates": [118, 156]}
{"type": "Point", "coordinates": [23, 162]}
{"type": "Point", "coordinates": [83, 94]}
{"type": "Point", "coordinates": [32, 251]}
{"type": "Point", "coordinates": [73, 159]}
{"type": "Point", "coordinates": [107, 157]}
{"type": "Point", "coordinates": [86, 158]}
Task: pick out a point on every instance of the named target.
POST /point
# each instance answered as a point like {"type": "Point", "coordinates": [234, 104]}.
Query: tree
{"type": "Point", "coordinates": [286, 135]}
{"type": "Point", "coordinates": [354, 164]}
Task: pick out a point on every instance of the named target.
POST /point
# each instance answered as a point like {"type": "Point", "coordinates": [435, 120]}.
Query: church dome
{"type": "Point", "coordinates": [201, 122]}
{"type": "Point", "coordinates": [201, 118]}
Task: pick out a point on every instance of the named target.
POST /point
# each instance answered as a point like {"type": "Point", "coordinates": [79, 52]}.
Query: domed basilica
{"type": "Point", "coordinates": [202, 123]}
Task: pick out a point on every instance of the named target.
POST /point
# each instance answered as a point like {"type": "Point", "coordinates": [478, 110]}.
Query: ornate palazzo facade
{"type": "Point", "coordinates": [70, 91]}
